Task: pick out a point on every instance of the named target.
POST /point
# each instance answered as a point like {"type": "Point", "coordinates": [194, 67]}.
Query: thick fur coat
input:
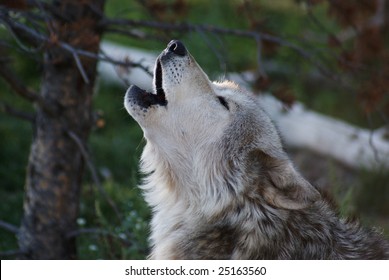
{"type": "Point", "coordinates": [219, 182]}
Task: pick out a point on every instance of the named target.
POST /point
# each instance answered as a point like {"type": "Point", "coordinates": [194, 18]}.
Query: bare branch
{"type": "Point", "coordinates": [21, 45]}
{"type": "Point", "coordinates": [377, 20]}
{"type": "Point", "coordinates": [97, 231]}
{"type": "Point", "coordinates": [221, 59]}
{"type": "Point", "coordinates": [104, 57]}
{"type": "Point", "coordinates": [121, 25]}
{"type": "Point", "coordinates": [261, 70]}
{"type": "Point", "coordinates": [13, 253]}
{"type": "Point", "coordinates": [81, 68]}
{"type": "Point", "coordinates": [42, 7]}
{"type": "Point", "coordinates": [187, 27]}
{"type": "Point", "coordinates": [19, 30]}
{"type": "Point", "coordinates": [132, 33]}
{"type": "Point", "coordinates": [9, 227]}
{"type": "Point", "coordinates": [44, 39]}
{"type": "Point", "coordinates": [16, 113]}
{"type": "Point", "coordinates": [93, 171]}
{"type": "Point", "coordinates": [18, 87]}
{"type": "Point", "coordinates": [78, 232]}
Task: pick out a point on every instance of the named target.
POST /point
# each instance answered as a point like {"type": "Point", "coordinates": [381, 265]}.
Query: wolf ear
{"type": "Point", "coordinates": [283, 186]}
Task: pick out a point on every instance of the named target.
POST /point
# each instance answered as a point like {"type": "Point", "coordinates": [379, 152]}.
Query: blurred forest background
{"type": "Point", "coordinates": [331, 55]}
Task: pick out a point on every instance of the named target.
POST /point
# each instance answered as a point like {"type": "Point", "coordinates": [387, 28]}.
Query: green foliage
{"type": "Point", "coordinates": [372, 196]}
{"type": "Point", "coordinates": [116, 149]}
{"type": "Point", "coordinates": [13, 153]}
{"type": "Point", "coordinates": [123, 237]}
{"type": "Point", "coordinates": [365, 198]}
{"type": "Point", "coordinates": [10, 211]}
{"type": "Point", "coordinates": [15, 139]}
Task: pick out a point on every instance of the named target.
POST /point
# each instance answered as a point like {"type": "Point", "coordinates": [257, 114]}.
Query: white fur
{"type": "Point", "coordinates": [216, 167]}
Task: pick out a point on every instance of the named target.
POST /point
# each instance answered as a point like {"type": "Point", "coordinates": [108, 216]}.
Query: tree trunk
{"type": "Point", "coordinates": [55, 167]}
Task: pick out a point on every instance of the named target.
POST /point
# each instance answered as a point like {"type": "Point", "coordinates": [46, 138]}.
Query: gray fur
{"type": "Point", "coordinates": [219, 182]}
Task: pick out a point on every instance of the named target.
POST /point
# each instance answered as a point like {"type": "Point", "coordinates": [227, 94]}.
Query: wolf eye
{"type": "Point", "coordinates": [223, 102]}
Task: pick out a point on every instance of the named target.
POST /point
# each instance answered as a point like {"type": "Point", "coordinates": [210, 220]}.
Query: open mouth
{"type": "Point", "coordinates": [146, 99]}
{"type": "Point", "coordinates": [158, 80]}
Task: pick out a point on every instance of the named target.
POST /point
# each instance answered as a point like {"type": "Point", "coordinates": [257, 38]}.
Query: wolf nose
{"type": "Point", "coordinates": [177, 47]}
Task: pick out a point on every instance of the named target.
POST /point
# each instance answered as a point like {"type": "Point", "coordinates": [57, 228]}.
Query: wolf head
{"type": "Point", "coordinates": [210, 142]}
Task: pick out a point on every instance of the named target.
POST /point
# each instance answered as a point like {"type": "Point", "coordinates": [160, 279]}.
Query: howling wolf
{"type": "Point", "coordinates": [219, 182]}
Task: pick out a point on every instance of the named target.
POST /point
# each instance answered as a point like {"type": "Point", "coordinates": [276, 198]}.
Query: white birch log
{"type": "Point", "coordinates": [351, 145]}
{"type": "Point", "coordinates": [111, 74]}
{"type": "Point", "coordinates": [354, 146]}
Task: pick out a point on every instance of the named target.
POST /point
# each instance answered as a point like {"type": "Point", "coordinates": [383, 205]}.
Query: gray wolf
{"type": "Point", "coordinates": [219, 182]}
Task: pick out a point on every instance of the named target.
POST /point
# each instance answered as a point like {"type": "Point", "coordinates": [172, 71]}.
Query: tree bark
{"type": "Point", "coordinates": [55, 168]}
